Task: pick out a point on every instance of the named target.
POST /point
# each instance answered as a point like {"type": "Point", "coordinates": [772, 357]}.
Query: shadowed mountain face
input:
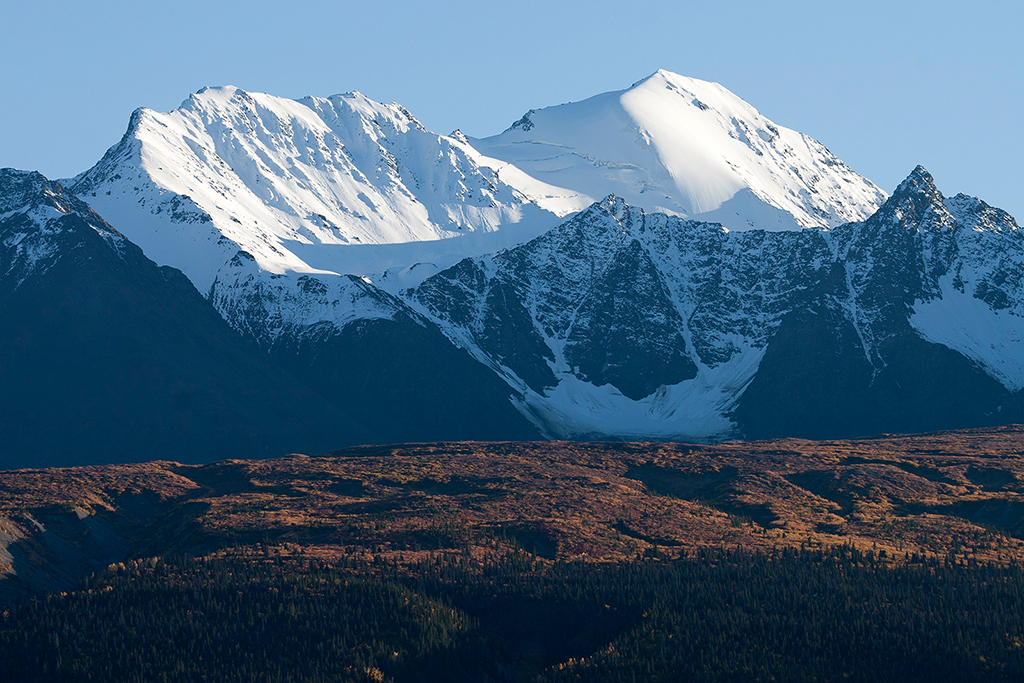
{"type": "Point", "coordinates": [110, 359]}
{"type": "Point", "coordinates": [404, 380]}
{"type": "Point", "coordinates": [107, 357]}
{"type": "Point", "coordinates": [816, 381]}
{"type": "Point", "coordinates": [848, 359]}
{"type": "Point", "coordinates": [634, 324]}
{"type": "Point", "coordinates": [382, 361]}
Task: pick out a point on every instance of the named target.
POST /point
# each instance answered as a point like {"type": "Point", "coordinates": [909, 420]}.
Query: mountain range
{"type": "Point", "coordinates": [251, 274]}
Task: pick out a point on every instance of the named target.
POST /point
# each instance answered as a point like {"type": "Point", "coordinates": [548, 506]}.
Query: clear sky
{"type": "Point", "coordinates": [884, 85]}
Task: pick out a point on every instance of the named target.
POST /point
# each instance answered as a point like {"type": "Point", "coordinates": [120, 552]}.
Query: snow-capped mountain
{"type": "Point", "coordinates": [252, 195]}
{"type": "Point", "coordinates": [690, 148]}
{"type": "Point", "coordinates": [634, 324]}
{"type": "Point", "coordinates": [289, 182]}
{"type": "Point", "coordinates": [740, 281]}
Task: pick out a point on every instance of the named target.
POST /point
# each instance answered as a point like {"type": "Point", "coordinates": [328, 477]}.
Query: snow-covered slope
{"type": "Point", "coordinates": [293, 182]}
{"type": "Point", "coordinates": [689, 148]}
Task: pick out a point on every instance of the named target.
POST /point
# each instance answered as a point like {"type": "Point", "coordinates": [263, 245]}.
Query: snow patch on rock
{"type": "Point", "coordinates": [993, 339]}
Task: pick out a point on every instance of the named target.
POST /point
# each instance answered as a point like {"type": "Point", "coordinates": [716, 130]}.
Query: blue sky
{"type": "Point", "coordinates": [885, 85]}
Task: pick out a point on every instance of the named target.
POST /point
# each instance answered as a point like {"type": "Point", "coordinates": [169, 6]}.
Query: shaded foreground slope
{"type": "Point", "coordinates": [108, 357]}
{"type": "Point", "coordinates": [955, 492]}
{"type": "Point", "coordinates": [895, 558]}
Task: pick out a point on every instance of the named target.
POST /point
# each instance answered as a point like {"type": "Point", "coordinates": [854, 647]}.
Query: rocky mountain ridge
{"type": "Point", "coordinates": [659, 326]}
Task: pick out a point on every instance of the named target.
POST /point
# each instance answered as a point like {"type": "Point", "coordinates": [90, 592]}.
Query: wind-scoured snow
{"type": "Point", "coordinates": [689, 148]}
{"type": "Point", "coordinates": [294, 182]}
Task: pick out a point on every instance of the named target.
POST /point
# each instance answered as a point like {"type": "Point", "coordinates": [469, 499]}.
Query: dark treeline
{"type": "Point", "coordinates": [718, 616]}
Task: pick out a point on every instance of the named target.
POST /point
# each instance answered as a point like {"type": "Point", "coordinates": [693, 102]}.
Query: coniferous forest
{"type": "Point", "coordinates": [718, 615]}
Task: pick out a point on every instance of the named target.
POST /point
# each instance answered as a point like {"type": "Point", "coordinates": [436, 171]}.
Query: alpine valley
{"type": "Point", "coordinates": [249, 274]}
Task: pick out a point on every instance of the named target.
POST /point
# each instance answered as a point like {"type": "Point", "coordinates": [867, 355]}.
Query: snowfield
{"type": "Point", "coordinates": [689, 148]}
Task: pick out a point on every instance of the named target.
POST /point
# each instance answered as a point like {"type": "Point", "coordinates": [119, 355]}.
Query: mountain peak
{"type": "Point", "coordinates": [690, 148]}
{"type": "Point", "coordinates": [664, 76]}
{"type": "Point", "coordinates": [916, 205]}
{"type": "Point", "coordinates": [919, 180]}
{"type": "Point", "coordinates": [17, 187]}
{"type": "Point", "coordinates": [919, 185]}
{"type": "Point", "coordinates": [209, 93]}
{"type": "Point", "coordinates": [973, 214]}
{"type": "Point", "coordinates": [294, 182]}
{"type": "Point", "coordinates": [21, 190]}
